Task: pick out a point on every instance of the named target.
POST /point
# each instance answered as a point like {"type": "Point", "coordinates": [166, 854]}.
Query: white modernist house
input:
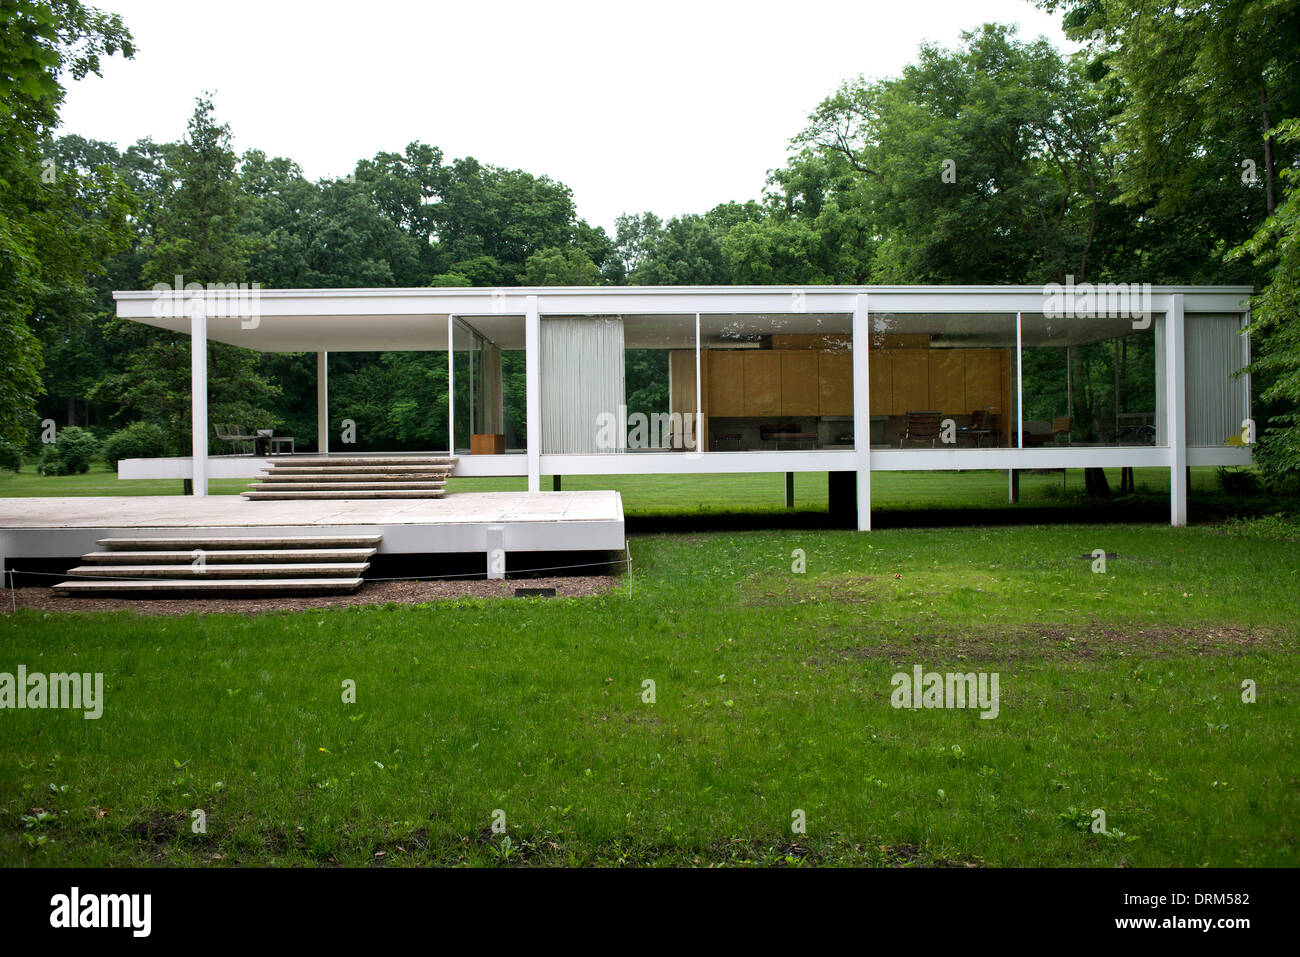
{"type": "Point", "coordinates": [840, 379]}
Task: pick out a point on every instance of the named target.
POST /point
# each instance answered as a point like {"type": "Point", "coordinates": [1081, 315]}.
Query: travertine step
{"type": "Point", "coordinates": [225, 586]}
{"type": "Point", "coordinates": [236, 565]}
{"type": "Point", "coordinates": [272, 570]}
{"type": "Point", "coordinates": [358, 470]}
{"type": "Point", "coordinates": [188, 543]}
{"type": "Point", "coordinates": [368, 475]}
{"type": "Point", "coordinates": [229, 555]}
{"type": "Point", "coordinates": [295, 487]}
{"type": "Point", "coordinates": [331, 461]}
{"type": "Point", "coordinates": [287, 495]}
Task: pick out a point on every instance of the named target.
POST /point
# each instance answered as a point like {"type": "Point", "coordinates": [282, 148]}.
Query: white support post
{"type": "Point", "coordinates": [451, 385]}
{"type": "Point", "coordinates": [322, 403]}
{"type": "Point", "coordinates": [862, 408]}
{"type": "Point", "coordinates": [699, 399]}
{"type": "Point", "coordinates": [199, 394]}
{"type": "Point", "coordinates": [1013, 486]}
{"type": "Point", "coordinates": [533, 391]}
{"type": "Point", "coordinates": [1176, 410]}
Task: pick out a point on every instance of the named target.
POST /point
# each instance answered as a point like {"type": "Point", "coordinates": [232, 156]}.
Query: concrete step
{"type": "Point", "coordinates": [210, 543]}
{"type": "Point", "coordinates": [224, 586]}
{"type": "Point", "coordinates": [229, 555]}
{"type": "Point", "coordinates": [341, 486]}
{"type": "Point", "coordinates": [294, 470]}
{"type": "Point", "coordinates": [362, 460]}
{"type": "Point", "coordinates": [290, 494]}
{"type": "Point", "coordinates": [272, 570]}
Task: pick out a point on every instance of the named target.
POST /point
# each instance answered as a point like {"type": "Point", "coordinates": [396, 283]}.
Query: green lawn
{"type": "Point", "coordinates": [650, 495]}
{"type": "Point", "coordinates": [1118, 691]}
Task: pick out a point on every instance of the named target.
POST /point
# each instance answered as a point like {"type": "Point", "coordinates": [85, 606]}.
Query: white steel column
{"type": "Point", "coordinates": [533, 391]}
{"type": "Point", "coordinates": [699, 399]}
{"type": "Point", "coordinates": [1013, 485]}
{"type": "Point", "coordinates": [322, 403]}
{"type": "Point", "coordinates": [451, 386]}
{"type": "Point", "coordinates": [1020, 386]}
{"type": "Point", "coordinates": [862, 408]}
{"type": "Point", "coordinates": [199, 394]}
{"type": "Point", "coordinates": [1176, 410]}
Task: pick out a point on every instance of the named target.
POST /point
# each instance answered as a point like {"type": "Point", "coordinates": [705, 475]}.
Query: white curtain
{"type": "Point", "coordinates": [1216, 402]}
{"type": "Point", "coordinates": [1162, 400]}
{"type": "Point", "coordinates": [582, 384]}
{"type": "Point", "coordinates": [489, 414]}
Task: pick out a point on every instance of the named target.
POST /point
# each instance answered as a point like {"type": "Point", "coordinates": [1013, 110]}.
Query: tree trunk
{"type": "Point", "coordinates": [1270, 203]}
{"type": "Point", "coordinates": [1095, 484]}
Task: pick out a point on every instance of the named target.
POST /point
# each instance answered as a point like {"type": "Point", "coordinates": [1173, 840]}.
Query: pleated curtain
{"type": "Point", "coordinates": [582, 379]}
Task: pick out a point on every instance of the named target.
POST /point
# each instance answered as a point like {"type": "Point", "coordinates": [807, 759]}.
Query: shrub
{"type": "Point", "coordinates": [1238, 481]}
{"type": "Point", "coordinates": [139, 440]}
{"type": "Point", "coordinates": [69, 454]}
{"type": "Point", "coordinates": [11, 457]}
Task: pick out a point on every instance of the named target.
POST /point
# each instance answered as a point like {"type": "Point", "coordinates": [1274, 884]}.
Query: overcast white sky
{"type": "Point", "coordinates": [664, 105]}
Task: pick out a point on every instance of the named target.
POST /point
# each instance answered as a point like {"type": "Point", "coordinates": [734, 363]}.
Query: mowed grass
{"type": "Point", "coordinates": [661, 495]}
{"type": "Point", "coordinates": [1118, 691]}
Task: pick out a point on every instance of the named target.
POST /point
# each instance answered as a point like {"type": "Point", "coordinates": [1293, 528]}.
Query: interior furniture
{"type": "Point", "coordinates": [980, 427]}
{"type": "Point", "coordinates": [922, 426]}
{"type": "Point", "coordinates": [811, 376]}
{"type": "Point", "coordinates": [277, 444]}
{"type": "Point", "coordinates": [777, 437]}
{"type": "Point", "coordinates": [240, 439]}
{"type": "Point", "coordinates": [487, 443]}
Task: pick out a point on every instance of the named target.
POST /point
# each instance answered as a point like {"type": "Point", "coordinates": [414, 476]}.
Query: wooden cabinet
{"type": "Point", "coordinates": [835, 383]}
{"type": "Point", "coordinates": [910, 386]}
{"type": "Point", "coordinates": [984, 380]}
{"type": "Point", "coordinates": [881, 383]}
{"type": "Point", "coordinates": [762, 382]}
{"type": "Point", "coordinates": [948, 381]}
{"type": "Point", "coordinates": [726, 383]}
{"type": "Point", "coordinates": [799, 383]}
{"type": "Point", "coordinates": [681, 378]}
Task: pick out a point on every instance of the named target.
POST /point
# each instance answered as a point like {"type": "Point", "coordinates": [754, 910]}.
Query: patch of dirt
{"type": "Point", "coordinates": [1045, 642]}
{"type": "Point", "coordinates": [369, 594]}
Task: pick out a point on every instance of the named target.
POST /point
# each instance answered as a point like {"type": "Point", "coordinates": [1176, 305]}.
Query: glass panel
{"type": "Point", "coordinates": [776, 383]}
{"type": "Point", "coordinates": [491, 396]}
{"type": "Point", "coordinates": [1089, 381]}
{"type": "Point", "coordinates": [943, 382]}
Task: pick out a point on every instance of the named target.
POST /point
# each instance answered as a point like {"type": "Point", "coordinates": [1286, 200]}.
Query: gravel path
{"type": "Point", "coordinates": [370, 593]}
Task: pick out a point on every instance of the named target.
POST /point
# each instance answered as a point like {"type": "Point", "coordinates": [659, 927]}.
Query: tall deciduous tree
{"type": "Point", "coordinates": [50, 240]}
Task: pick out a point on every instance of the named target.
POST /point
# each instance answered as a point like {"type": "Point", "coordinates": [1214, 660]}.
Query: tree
{"type": "Point", "coordinates": [1276, 317]}
{"type": "Point", "coordinates": [981, 164]}
{"type": "Point", "coordinates": [49, 245]}
{"type": "Point", "coordinates": [197, 238]}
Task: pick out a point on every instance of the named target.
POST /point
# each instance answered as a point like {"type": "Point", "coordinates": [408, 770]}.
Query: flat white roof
{"type": "Point", "coordinates": [415, 319]}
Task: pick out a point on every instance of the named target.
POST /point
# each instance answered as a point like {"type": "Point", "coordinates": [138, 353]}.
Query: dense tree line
{"type": "Point", "coordinates": [1165, 151]}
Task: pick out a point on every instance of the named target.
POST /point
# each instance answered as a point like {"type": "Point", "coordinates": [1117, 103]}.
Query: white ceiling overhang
{"type": "Point", "coordinates": [375, 320]}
